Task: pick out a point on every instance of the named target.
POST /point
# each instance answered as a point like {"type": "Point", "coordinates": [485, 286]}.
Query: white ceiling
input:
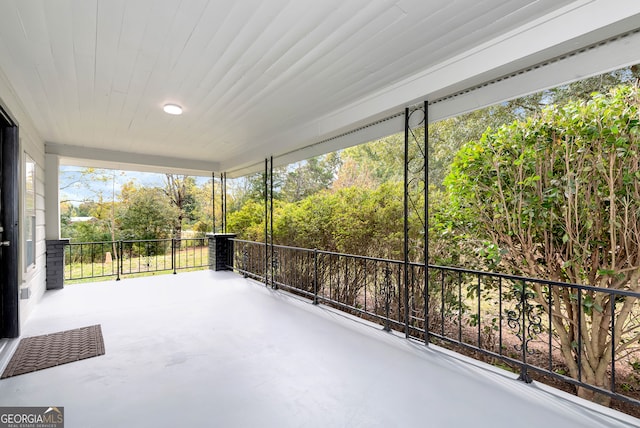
{"type": "Point", "coordinates": [266, 77]}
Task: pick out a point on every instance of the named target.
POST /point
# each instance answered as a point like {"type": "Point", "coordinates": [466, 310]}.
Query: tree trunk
{"type": "Point", "coordinates": [596, 397]}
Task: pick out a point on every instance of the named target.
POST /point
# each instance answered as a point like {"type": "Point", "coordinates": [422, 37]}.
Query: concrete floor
{"type": "Point", "coordinates": [213, 349]}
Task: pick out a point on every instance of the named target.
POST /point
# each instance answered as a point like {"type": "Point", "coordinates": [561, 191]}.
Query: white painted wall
{"type": "Point", "coordinates": [32, 144]}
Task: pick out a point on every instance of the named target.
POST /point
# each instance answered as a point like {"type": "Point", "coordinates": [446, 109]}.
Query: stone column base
{"type": "Point", "coordinates": [55, 263]}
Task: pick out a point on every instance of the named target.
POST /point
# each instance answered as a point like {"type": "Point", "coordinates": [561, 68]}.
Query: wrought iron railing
{"type": "Point", "coordinates": [507, 319]}
{"type": "Point", "coordinates": [86, 260]}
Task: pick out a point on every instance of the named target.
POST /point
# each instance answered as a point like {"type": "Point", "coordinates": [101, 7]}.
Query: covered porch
{"type": "Point", "coordinates": [262, 83]}
{"type": "Point", "coordinates": [215, 349]}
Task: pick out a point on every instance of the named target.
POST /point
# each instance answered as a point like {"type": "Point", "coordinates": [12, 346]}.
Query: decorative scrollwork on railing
{"type": "Point", "coordinates": [416, 163]}
{"type": "Point", "coordinates": [524, 319]}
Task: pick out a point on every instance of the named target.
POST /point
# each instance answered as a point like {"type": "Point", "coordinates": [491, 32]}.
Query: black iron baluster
{"type": "Point", "coordinates": [81, 262]}
{"type": "Point", "coordinates": [612, 301]}
{"type": "Point", "coordinates": [478, 320]}
{"type": "Point", "coordinates": [118, 247]}
{"type": "Point", "coordinates": [524, 375]}
{"type": "Point", "coordinates": [412, 273]}
{"type": "Point", "coordinates": [500, 315]}
{"type": "Point", "coordinates": [459, 306]}
{"type": "Point", "coordinates": [275, 263]}
{"type": "Point", "coordinates": [330, 276]}
{"type": "Point", "coordinates": [364, 268]}
{"type": "Point", "coordinates": [315, 276]}
{"type": "Point", "coordinates": [402, 288]}
{"type": "Point", "coordinates": [347, 283]}
{"type": "Point", "coordinates": [245, 260]}
{"type": "Point", "coordinates": [550, 314]}
{"type": "Point", "coordinates": [376, 306]}
{"type": "Point", "coordinates": [579, 341]}
{"type": "Point", "coordinates": [427, 326]}
{"type": "Point", "coordinates": [388, 293]}
{"type": "Point", "coordinates": [70, 259]}
{"type": "Point", "coordinates": [442, 302]}
{"type": "Point", "coordinates": [174, 255]}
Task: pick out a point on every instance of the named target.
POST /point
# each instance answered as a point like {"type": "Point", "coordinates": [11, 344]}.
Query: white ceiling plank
{"type": "Point", "coordinates": [108, 27]}
{"type": "Point", "coordinates": [63, 75]}
{"type": "Point", "coordinates": [50, 96]}
{"type": "Point", "coordinates": [197, 58]}
{"type": "Point", "coordinates": [152, 67]}
{"type": "Point", "coordinates": [230, 62]}
{"type": "Point", "coordinates": [257, 58]}
{"type": "Point", "coordinates": [302, 55]}
{"type": "Point", "coordinates": [220, 50]}
{"type": "Point", "coordinates": [83, 24]}
{"type": "Point", "coordinates": [133, 25]}
{"type": "Point", "coordinates": [27, 83]}
{"type": "Point", "coordinates": [31, 17]}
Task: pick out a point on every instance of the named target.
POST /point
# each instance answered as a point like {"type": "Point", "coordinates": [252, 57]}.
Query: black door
{"type": "Point", "coordinates": [9, 244]}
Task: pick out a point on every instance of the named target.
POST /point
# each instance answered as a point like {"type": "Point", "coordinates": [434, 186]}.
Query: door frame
{"type": "Point", "coordinates": [9, 220]}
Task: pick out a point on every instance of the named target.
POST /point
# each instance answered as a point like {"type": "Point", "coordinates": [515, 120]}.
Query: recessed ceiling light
{"type": "Point", "coordinates": [172, 109]}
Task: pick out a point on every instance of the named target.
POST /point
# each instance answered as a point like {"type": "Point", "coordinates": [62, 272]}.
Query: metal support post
{"type": "Point", "coordinates": [427, 336]}
{"type": "Point", "coordinates": [266, 222]}
{"type": "Point", "coordinates": [224, 207]}
{"type": "Point", "coordinates": [173, 255]}
{"type": "Point", "coordinates": [273, 261]}
{"type": "Point", "coordinates": [416, 193]}
{"type": "Point", "coordinates": [213, 201]}
{"type": "Point", "coordinates": [407, 131]}
{"type": "Point", "coordinates": [315, 276]}
{"type": "Point", "coordinates": [223, 201]}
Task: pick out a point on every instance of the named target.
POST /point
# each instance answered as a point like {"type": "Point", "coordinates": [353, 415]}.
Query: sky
{"type": "Point", "coordinates": [76, 187]}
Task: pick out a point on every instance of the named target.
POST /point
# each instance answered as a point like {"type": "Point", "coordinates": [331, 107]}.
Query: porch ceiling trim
{"type": "Point", "coordinates": [111, 159]}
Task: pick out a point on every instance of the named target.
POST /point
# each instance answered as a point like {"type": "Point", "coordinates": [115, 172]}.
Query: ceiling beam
{"type": "Point", "coordinates": [127, 161]}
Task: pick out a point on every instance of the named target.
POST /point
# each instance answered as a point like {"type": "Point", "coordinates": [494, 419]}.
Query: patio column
{"type": "Point", "coordinates": [220, 251]}
{"type": "Point", "coordinates": [54, 245]}
{"type": "Point", "coordinates": [52, 197]}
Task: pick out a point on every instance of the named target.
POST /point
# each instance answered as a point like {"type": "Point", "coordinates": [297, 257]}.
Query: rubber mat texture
{"type": "Point", "coordinates": [50, 350]}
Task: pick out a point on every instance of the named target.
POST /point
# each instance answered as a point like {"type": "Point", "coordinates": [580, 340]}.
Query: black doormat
{"type": "Point", "coordinates": [50, 350]}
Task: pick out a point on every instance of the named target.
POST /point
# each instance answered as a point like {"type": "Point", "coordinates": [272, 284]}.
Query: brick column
{"type": "Point", "coordinates": [220, 250]}
{"type": "Point", "coordinates": [55, 263]}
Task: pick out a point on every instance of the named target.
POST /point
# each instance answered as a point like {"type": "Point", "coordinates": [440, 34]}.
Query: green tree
{"type": "Point", "coordinates": [251, 188]}
{"type": "Point", "coordinates": [146, 213]}
{"type": "Point", "coordinates": [311, 176]}
{"type": "Point", "coordinates": [248, 221]}
{"type": "Point", "coordinates": [382, 160]}
{"type": "Point", "coordinates": [181, 194]}
{"type": "Point", "coordinates": [559, 193]}
{"type": "Point", "coordinates": [98, 203]}
{"type": "Point", "coordinates": [201, 216]}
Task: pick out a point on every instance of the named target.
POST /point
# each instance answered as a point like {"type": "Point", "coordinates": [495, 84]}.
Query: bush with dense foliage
{"type": "Point", "coordinates": [559, 195]}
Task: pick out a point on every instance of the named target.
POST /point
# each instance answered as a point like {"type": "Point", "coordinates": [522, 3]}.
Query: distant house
{"type": "Point", "coordinates": [81, 219]}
